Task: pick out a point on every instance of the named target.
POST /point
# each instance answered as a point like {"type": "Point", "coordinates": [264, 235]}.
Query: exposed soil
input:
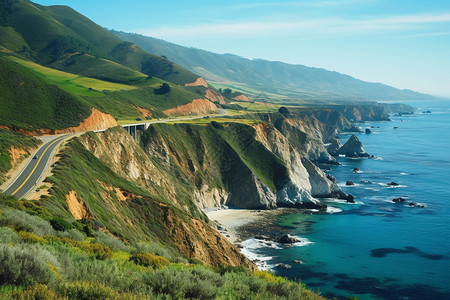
{"type": "Point", "coordinates": [78, 209]}
{"type": "Point", "coordinates": [241, 97]}
{"type": "Point", "coordinates": [214, 96]}
{"type": "Point", "coordinates": [143, 111]}
{"type": "Point", "coordinates": [196, 107]}
{"type": "Point", "coordinates": [199, 82]}
{"type": "Point", "coordinates": [96, 121]}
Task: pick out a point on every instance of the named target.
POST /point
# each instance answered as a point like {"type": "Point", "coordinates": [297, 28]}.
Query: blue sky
{"type": "Point", "coordinates": [405, 44]}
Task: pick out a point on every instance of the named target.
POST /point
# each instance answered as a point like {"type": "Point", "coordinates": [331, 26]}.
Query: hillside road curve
{"type": "Point", "coordinates": [33, 171]}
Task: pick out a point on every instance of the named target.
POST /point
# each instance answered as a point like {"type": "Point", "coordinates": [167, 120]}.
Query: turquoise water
{"type": "Point", "coordinates": [377, 249]}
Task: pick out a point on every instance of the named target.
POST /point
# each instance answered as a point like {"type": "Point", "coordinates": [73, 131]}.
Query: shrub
{"type": "Point", "coordinates": [149, 260]}
{"type": "Point", "coordinates": [163, 89]}
{"type": "Point", "coordinates": [8, 236]}
{"type": "Point", "coordinates": [25, 265]}
{"type": "Point", "coordinates": [152, 247]}
{"type": "Point", "coordinates": [196, 283]}
{"type": "Point", "coordinates": [100, 251]}
{"type": "Point", "coordinates": [72, 234]}
{"type": "Point", "coordinates": [20, 220]}
{"type": "Point", "coordinates": [89, 290]}
{"type": "Point", "coordinates": [110, 241]}
{"type": "Point", "coordinates": [31, 237]}
{"type": "Point", "coordinates": [36, 292]}
{"type": "Point", "coordinates": [60, 224]}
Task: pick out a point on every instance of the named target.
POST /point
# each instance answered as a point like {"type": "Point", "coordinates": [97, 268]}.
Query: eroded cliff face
{"type": "Point", "coordinates": [243, 166]}
{"type": "Point", "coordinates": [122, 209]}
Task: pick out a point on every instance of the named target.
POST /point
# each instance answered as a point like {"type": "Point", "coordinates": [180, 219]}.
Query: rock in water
{"type": "Point", "coordinates": [350, 198]}
{"type": "Point", "coordinates": [353, 148]}
{"type": "Point", "coordinates": [287, 239]}
{"type": "Point", "coordinates": [284, 266]}
{"type": "Point", "coordinates": [393, 183]}
{"type": "Point", "coordinates": [349, 182]}
{"type": "Point", "coordinates": [399, 200]}
{"type": "Point", "coordinates": [368, 131]}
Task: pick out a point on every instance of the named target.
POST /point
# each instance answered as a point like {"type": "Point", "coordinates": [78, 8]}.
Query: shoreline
{"type": "Point", "coordinates": [238, 224]}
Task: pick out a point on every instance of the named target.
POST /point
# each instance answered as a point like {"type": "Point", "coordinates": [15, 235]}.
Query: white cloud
{"type": "Point", "coordinates": [312, 26]}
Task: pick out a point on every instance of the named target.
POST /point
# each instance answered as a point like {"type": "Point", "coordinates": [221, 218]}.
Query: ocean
{"type": "Point", "coordinates": [375, 248]}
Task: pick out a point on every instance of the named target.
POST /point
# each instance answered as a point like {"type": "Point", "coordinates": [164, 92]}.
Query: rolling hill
{"type": "Point", "coordinates": [57, 65]}
{"type": "Point", "coordinates": [279, 80]}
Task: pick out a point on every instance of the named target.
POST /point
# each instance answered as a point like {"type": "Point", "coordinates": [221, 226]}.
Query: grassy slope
{"type": "Point", "coordinates": [18, 141]}
{"type": "Point", "coordinates": [59, 31]}
{"type": "Point", "coordinates": [30, 103]}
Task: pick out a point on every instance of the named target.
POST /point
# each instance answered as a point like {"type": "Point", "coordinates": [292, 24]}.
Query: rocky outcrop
{"type": "Point", "coordinates": [196, 107]}
{"type": "Point", "coordinates": [214, 96]}
{"type": "Point", "coordinates": [199, 82]}
{"type": "Point", "coordinates": [241, 97]}
{"type": "Point", "coordinates": [353, 148]}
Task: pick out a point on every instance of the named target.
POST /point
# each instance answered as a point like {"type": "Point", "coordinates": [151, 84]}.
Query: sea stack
{"type": "Point", "coordinates": [353, 148]}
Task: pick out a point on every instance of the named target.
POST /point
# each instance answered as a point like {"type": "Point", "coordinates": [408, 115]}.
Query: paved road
{"type": "Point", "coordinates": [30, 175]}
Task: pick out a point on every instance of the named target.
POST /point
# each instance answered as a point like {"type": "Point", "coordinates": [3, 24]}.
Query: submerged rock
{"type": "Point", "coordinates": [355, 170]}
{"type": "Point", "coordinates": [353, 148]}
{"type": "Point", "coordinates": [399, 200]}
{"type": "Point", "coordinates": [284, 266]}
{"type": "Point", "coordinates": [393, 183]}
{"type": "Point", "coordinates": [349, 182]}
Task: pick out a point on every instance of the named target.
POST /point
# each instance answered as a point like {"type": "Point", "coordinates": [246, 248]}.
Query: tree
{"type": "Point", "coordinates": [163, 89]}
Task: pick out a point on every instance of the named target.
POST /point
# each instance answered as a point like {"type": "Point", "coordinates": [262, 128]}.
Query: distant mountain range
{"type": "Point", "coordinates": [278, 80]}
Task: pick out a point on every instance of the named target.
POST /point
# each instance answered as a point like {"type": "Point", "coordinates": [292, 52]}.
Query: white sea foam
{"type": "Point", "coordinates": [333, 210]}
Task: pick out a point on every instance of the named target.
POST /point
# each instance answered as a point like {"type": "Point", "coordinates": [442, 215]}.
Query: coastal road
{"type": "Point", "coordinates": [33, 171]}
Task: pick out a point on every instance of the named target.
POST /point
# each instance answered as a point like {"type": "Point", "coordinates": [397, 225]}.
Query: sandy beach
{"type": "Point", "coordinates": [230, 220]}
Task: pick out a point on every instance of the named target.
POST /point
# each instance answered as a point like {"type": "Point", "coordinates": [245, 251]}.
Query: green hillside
{"type": "Point", "coordinates": [296, 82]}
{"type": "Point", "coordinates": [30, 103]}
{"type": "Point", "coordinates": [64, 39]}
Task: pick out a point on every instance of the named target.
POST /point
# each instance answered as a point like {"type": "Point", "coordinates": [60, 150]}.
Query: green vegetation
{"type": "Point", "coordinates": [17, 140]}
{"type": "Point", "coordinates": [225, 143]}
{"type": "Point", "coordinates": [48, 266]}
{"type": "Point", "coordinates": [30, 103]}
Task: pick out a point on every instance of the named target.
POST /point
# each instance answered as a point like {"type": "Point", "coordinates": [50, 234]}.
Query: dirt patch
{"type": "Point", "coordinates": [199, 82]}
{"type": "Point", "coordinates": [214, 96]}
{"type": "Point", "coordinates": [143, 111]}
{"type": "Point", "coordinates": [121, 194]}
{"type": "Point", "coordinates": [196, 107]}
{"type": "Point", "coordinates": [78, 209]}
{"type": "Point", "coordinates": [96, 121]}
{"type": "Point", "coordinates": [241, 97]}
{"type": "Point", "coordinates": [17, 154]}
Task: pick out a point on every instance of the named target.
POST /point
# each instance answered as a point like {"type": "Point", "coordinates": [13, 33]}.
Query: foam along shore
{"type": "Point", "coordinates": [229, 220]}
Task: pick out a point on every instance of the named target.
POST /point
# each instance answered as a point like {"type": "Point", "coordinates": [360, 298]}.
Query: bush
{"type": "Point", "coordinates": [36, 292]}
{"type": "Point", "coordinates": [163, 89]}
{"type": "Point", "coordinates": [25, 265]}
{"type": "Point", "coordinates": [152, 247]}
{"type": "Point", "coordinates": [100, 251]}
{"type": "Point", "coordinates": [149, 260]}
{"type": "Point", "coordinates": [31, 237]}
{"type": "Point", "coordinates": [196, 283]}
{"type": "Point", "coordinates": [72, 234]}
{"type": "Point", "coordinates": [60, 224]}
{"type": "Point", "coordinates": [21, 221]}
{"type": "Point", "coordinates": [8, 236]}
{"type": "Point", "coordinates": [110, 241]}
